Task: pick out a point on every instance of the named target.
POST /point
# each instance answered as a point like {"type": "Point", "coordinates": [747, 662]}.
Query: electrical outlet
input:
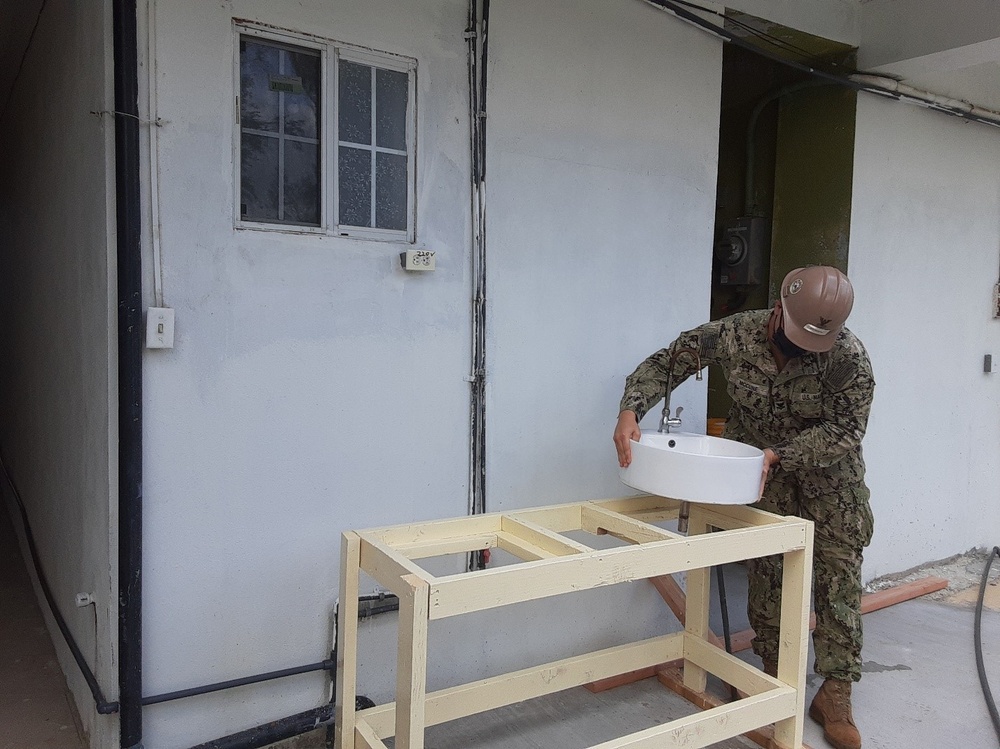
{"type": "Point", "coordinates": [417, 260]}
{"type": "Point", "coordinates": [159, 327]}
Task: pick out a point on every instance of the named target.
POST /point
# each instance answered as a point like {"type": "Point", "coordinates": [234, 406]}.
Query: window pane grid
{"type": "Point", "coordinates": [370, 168]}
{"type": "Point", "coordinates": [388, 205]}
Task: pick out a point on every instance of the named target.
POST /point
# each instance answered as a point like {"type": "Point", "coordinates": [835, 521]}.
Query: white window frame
{"type": "Point", "coordinates": [331, 53]}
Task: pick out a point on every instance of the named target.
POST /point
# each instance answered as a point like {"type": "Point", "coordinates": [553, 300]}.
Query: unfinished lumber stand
{"type": "Point", "coordinates": [552, 564]}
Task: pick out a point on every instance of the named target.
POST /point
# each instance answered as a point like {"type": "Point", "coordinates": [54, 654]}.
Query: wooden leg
{"type": "Point", "coordinates": [411, 663]}
{"type": "Point", "coordinates": [793, 641]}
{"type": "Point", "coordinates": [696, 614]}
{"type": "Point", "coordinates": [347, 640]}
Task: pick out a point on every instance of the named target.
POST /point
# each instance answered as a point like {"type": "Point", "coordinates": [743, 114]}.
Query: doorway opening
{"type": "Point", "coordinates": [786, 163]}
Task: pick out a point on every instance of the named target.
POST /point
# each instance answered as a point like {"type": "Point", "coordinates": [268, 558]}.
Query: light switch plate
{"type": "Point", "coordinates": [159, 327]}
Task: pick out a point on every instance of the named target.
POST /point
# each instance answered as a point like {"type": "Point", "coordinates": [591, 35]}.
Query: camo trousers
{"type": "Point", "coordinates": [843, 527]}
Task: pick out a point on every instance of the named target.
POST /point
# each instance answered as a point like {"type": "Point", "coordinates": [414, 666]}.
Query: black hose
{"type": "Point", "coordinates": [984, 682]}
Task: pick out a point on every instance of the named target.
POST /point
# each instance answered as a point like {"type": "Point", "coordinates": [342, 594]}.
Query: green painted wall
{"type": "Point", "coordinates": [803, 161]}
{"type": "Point", "coordinates": [814, 169]}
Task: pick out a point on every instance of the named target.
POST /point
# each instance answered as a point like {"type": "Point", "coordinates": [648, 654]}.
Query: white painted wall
{"type": "Point", "coordinates": [602, 153]}
{"type": "Point", "coordinates": [925, 254]}
{"type": "Point", "coordinates": [284, 414]}
{"type": "Point", "coordinates": [897, 30]}
{"type": "Point", "coordinates": [58, 380]}
{"type": "Point", "coordinates": [314, 387]}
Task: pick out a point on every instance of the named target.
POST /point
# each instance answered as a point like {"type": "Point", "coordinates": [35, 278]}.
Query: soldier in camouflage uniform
{"type": "Point", "coordinates": [802, 388]}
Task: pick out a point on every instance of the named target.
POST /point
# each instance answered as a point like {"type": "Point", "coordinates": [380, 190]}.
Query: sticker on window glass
{"type": "Point", "coordinates": [286, 84]}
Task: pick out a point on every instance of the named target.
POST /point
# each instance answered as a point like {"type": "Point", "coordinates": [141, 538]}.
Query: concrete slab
{"type": "Point", "coordinates": [35, 708]}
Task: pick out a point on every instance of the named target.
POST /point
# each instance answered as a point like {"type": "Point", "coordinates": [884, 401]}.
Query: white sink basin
{"type": "Point", "coordinates": [695, 468]}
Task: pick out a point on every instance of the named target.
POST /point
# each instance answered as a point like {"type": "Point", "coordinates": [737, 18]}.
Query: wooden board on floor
{"type": "Point", "coordinates": [672, 677]}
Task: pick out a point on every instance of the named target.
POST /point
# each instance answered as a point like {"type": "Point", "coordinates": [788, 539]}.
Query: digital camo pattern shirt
{"type": "Point", "coordinates": [813, 413]}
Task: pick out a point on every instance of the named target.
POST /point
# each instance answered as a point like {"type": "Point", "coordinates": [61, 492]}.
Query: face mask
{"type": "Point", "coordinates": [788, 349]}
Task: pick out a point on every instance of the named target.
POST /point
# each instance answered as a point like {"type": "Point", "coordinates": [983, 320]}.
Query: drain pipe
{"type": "Point", "coordinates": [476, 34]}
{"type": "Point", "coordinates": [129, 224]}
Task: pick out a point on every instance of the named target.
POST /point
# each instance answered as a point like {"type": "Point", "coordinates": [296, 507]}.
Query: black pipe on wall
{"type": "Point", "coordinates": [104, 707]}
{"type": "Point", "coordinates": [129, 225]}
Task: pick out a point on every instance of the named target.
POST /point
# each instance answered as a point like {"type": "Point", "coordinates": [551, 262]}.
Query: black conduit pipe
{"type": "Point", "coordinates": [978, 637]}
{"type": "Point", "coordinates": [477, 34]}
{"type": "Point", "coordinates": [129, 225]}
{"type": "Point", "coordinates": [277, 730]}
{"type": "Point", "coordinates": [327, 665]}
{"type": "Point", "coordinates": [103, 706]}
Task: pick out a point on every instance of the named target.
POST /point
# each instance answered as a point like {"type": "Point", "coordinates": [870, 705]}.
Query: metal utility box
{"type": "Point", "coordinates": [742, 251]}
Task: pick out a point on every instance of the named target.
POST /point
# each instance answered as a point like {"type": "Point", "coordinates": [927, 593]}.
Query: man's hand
{"type": "Point", "coordinates": [627, 429]}
{"type": "Point", "coordinates": [771, 459]}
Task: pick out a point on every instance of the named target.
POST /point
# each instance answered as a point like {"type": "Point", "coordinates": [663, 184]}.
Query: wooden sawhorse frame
{"type": "Point", "coordinates": [553, 563]}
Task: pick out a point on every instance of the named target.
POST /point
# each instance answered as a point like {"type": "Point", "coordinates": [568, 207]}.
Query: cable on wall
{"type": "Point", "coordinates": [873, 84]}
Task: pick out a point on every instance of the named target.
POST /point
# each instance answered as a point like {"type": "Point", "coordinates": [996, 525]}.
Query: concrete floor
{"type": "Point", "coordinates": [920, 686]}
{"type": "Point", "coordinates": [35, 708]}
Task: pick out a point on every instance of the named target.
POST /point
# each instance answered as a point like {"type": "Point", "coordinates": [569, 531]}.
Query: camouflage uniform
{"type": "Point", "coordinates": [813, 414]}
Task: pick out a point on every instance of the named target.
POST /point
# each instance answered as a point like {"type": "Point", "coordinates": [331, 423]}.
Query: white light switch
{"type": "Point", "coordinates": [159, 327]}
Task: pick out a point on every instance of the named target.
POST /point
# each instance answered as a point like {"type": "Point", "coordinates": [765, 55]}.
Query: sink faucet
{"type": "Point", "coordinates": [666, 421]}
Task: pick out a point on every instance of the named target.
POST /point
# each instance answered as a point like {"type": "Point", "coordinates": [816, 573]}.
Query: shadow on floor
{"type": "Point", "coordinates": [35, 705]}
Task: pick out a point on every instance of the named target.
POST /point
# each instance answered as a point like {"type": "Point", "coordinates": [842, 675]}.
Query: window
{"type": "Point", "coordinates": [325, 138]}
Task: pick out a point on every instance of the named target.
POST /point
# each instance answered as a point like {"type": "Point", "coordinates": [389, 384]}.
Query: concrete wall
{"type": "Point", "coordinates": [314, 386]}
{"type": "Point", "coordinates": [899, 30]}
{"type": "Point", "coordinates": [288, 409]}
{"type": "Point", "coordinates": [57, 327]}
{"type": "Point", "coordinates": [603, 147]}
{"type": "Point", "coordinates": [925, 252]}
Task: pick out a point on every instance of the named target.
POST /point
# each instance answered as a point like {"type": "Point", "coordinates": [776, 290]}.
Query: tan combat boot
{"type": "Point", "coordinates": [831, 708]}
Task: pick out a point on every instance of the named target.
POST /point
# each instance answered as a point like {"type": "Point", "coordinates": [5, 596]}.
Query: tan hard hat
{"type": "Point", "coordinates": [815, 303]}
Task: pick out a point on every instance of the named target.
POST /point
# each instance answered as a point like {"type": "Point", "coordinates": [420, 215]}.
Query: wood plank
{"type": "Point", "coordinates": [673, 679]}
{"type": "Point", "coordinates": [388, 566]}
{"type": "Point", "coordinates": [793, 635]}
{"type": "Point", "coordinates": [880, 599]}
{"type": "Point", "coordinates": [671, 592]}
{"type": "Point", "coordinates": [596, 519]}
{"type": "Point", "coordinates": [637, 504]}
{"type": "Point", "coordinates": [461, 594]}
{"type": "Point", "coordinates": [603, 685]}
{"type": "Point", "coordinates": [729, 668]}
{"type": "Point", "coordinates": [506, 689]}
{"type": "Point", "coordinates": [555, 543]}
{"type": "Point", "coordinates": [696, 605]}
{"type": "Point", "coordinates": [347, 644]}
{"type": "Point", "coordinates": [411, 664]}
{"type": "Point", "coordinates": [558, 518]}
{"type": "Point", "coordinates": [440, 547]}
{"type": "Point", "coordinates": [710, 726]}
{"type": "Point", "coordinates": [655, 515]}
{"type": "Point", "coordinates": [435, 530]}
{"type": "Point", "coordinates": [521, 548]}
{"type": "Point", "coordinates": [365, 737]}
